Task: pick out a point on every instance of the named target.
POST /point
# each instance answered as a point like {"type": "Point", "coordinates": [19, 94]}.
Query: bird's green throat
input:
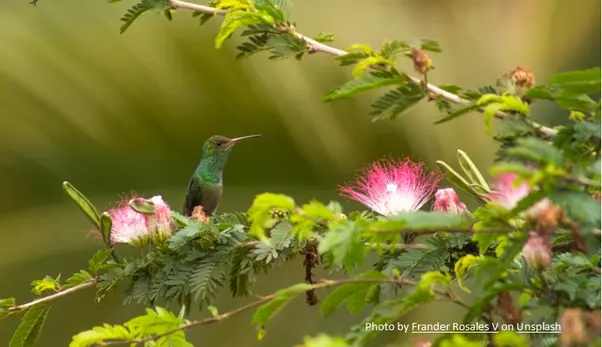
{"type": "Point", "coordinates": [211, 167]}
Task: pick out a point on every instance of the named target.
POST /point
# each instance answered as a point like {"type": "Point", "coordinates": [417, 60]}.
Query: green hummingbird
{"type": "Point", "coordinates": [205, 187]}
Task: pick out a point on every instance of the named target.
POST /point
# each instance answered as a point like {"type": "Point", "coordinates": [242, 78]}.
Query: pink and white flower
{"type": "Point", "coordinates": [160, 223]}
{"type": "Point", "coordinates": [137, 229]}
{"type": "Point", "coordinates": [389, 187]}
{"type": "Point", "coordinates": [537, 253]}
{"type": "Point", "coordinates": [128, 226]}
{"type": "Point", "coordinates": [447, 201]}
{"type": "Point", "coordinates": [507, 191]}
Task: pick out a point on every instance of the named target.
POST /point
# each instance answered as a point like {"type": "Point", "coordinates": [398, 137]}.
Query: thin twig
{"type": "Point", "coordinates": [265, 299]}
{"type": "Point", "coordinates": [192, 324]}
{"type": "Point", "coordinates": [54, 296]}
{"type": "Point", "coordinates": [321, 47]}
{"type": "Point", "coordinates": [467, 229]}
{"type": "Point", "coordinates": [400, 246]}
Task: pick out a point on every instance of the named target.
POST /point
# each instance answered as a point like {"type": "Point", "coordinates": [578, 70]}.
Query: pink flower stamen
{"type": "Point", "coordinates": [389, 187]}
{"type": "Point", "coordinates": [506, 192]}
{"type": "Point", "coordinates": [129, 226]}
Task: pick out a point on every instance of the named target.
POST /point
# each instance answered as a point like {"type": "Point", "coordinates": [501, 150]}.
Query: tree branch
{"type": "Point", "coordinates": [265, 299]}
{"type": "Point", "coordinates": [467, 229]}
{"type": "Point", "coordinates": [321, 47]}
{"type": "Point", "coordinates": [54, 296]}
{"type": "Point", "coordinates": [367, 244]}
{"type": "Point", "coordinates": [399, 247]}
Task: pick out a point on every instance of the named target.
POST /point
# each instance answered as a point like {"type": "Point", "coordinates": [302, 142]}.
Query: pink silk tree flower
{"type": "Point", "coordinates": [506, 192]}
{"type": "Point", "coordinates": [128, 226]}
{"type": "Point", "coordinates": [138, 229]}
{"type": "Point", "coordinates": [447, 201]}
{"type": "Point", "coordinates": [537, 254]}
{"type": "Point", "coordinates": [389, 187]}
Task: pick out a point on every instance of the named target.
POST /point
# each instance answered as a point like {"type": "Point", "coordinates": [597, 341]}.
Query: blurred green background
{"type": "Point", "coordinates": [114, 113]}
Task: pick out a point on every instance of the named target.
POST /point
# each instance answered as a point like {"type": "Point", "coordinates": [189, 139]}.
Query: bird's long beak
{"type": "Point", "coordinates": [238, 139]}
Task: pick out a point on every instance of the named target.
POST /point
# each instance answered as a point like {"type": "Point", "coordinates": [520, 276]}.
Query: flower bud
{"type": "Point", "coordinates": [572, 327]}
{"type": "Point", "coordinates": [537, 254]}
{"type": "Point", "coordinates": [545, 215]}
{"type": "Point", "coordinates": [522, 77]}
{"type": "Point", "coordinates": [340, 216]}
{"type": "Point", "coordinates": [279, 213]}
{"type": "Point", "coordinates": [516, 82]}
{"type": "Point", "coordinates": [539, 207]}
{"type": "Point", "coordinates": [447, 201]}
{"type": "Point", "coordinates": [199, 215]}
{"type": "Point", "coordinates": [422, 62]}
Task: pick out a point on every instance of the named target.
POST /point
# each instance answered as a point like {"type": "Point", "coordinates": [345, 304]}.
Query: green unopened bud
{"type": "Point", "coordinates": [279, 213]}
{"type": "Point", "coordinates": [340, 216]}
{"type": "Point", "coordinates": [143, 206]}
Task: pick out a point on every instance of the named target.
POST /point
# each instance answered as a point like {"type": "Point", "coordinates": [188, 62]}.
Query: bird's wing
{"type": "Point", "coordinates": [211, 198]}
{"type": "Point", "coordinates": [193, 197]}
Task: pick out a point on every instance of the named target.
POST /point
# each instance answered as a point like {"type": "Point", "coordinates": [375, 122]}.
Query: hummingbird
{"type": "Point", "coordinates": [205, 187]}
